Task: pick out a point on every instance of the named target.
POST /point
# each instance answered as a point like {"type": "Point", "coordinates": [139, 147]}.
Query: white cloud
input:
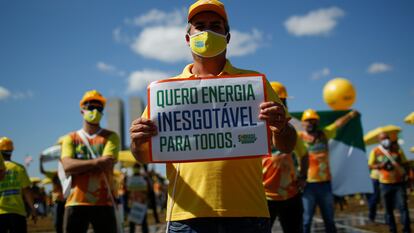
{"type": "Point", "coordinates": [22, 95]}
{"type": "Point", "coordinates": [158, 17]}
{"type": "Point", "coordinates": [315, 23]}
{"type": "Point", "coordinates": [109, 69]}
{"type": "Point", "coordinates": [162, 37]}
{"type": "Point", "coordinates": [320, 74]}
{"type": "Point", "coordinates": [120, 37]}
{"type": "Point", "coordinates": [242, 43]}
{"type": "Point", "coordinates": [140, 79]}
{"type": "Point", "coordinates": [164, 43]}
{"type": "Point", "coordinates": [4, 93]}
{"type": "Point", "coordinates": [378, 67]}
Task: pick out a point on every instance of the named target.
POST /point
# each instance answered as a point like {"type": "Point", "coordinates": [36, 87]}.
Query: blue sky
{"type": "Point", "coordinates": [51, 52]}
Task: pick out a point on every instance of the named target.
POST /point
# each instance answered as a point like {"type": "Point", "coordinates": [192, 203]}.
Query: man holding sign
{"type": "Point", "coordinates": [221, 195]}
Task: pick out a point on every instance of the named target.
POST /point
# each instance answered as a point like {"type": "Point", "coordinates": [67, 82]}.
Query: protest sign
{"type": "Point", "coordinates": [200, 119]}
{"type": "Point", "coordinates": [137, 213]}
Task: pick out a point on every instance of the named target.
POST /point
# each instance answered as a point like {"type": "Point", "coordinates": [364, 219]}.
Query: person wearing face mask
{"type": "Point", "coordinates": [318, 190]}
{"type": "Point", "coordinates": [224, 195]}
{"type": "Point", "coordinates": [89, 200]}
{"type": "Point", "coordinates": [14, 190]}
{"type": "Point", "coordinates": [389, 159]}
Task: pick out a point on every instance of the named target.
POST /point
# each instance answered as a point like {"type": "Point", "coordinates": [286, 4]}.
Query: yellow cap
{"type": "Point", "coordinates": [310, 114]}
{"type": "Point", "coordinates": [279, 89]}
{"type": "Point", "coordinates": [207, 5]}
{"type": "Point", "coordinates": [92, 95]}
{"type": "Point", "coordinates": [6, 144]}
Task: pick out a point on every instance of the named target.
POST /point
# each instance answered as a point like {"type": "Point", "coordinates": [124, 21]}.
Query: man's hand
{"type": "Point", "coordinates": [354, 113]}
{"type": "Point", "coordinates": [141, 131]}
{"type": "Point", "coordinates": [104, 163]}
{"type": "Point", "coordinates": [274, 114]}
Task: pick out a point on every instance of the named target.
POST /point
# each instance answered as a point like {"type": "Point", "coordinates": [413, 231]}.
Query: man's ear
{"type": "Point", "coordinates": [187, 39]}
{"type": "Point", "coordinates": [228, 37]}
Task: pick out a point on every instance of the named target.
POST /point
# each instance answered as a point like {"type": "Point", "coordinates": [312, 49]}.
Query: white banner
{"type": "Point", "coordinates": [202, 119]}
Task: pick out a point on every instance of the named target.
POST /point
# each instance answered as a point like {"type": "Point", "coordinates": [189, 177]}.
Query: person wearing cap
{"type": "Point", "coordinates": [14, 187]}
{"type": "Point", "coordinates": [284, 176]}
{"type": "Point", "coordinates": [225, 195]}
{"type": "Point", "coordinates": [389, 159]}
{"type": "Point", "coordinates": [318, 190]}
{"type": "Point", "coordinates": [90, 198]}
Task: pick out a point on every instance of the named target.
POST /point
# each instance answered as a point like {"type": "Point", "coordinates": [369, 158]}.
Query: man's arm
{"type": "Point", "coordinates": [76, 166]}
{"type": "Point", "coordinates": [27, 194]}
{"type": "Point", "coordinates": [283, 134]}
{"type": "Point", "coordinates": [340, 122]}
{"type": "Point", "coordinates": [285, 140]}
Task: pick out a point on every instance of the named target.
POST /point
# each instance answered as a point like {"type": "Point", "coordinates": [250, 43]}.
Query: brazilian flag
{"type": "Point", "coordinates": [347, 155]}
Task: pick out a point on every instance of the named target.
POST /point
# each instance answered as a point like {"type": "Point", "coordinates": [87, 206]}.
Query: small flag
{"type": "Point", "coordinates": [27, 160]}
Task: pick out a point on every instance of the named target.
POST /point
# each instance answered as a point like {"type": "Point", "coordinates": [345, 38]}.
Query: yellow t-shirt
{"type": "Point", "coordinates": [11, 196]}
{"type": "Point", "coordinates": [280, 173]}
{"type": "Point", "coordinates": [89, 188]}
{"type": "Point", "coordinates": [389, 176]}
{"type": "Point", "coordinates": [319, 170]}
{"type": "Point", "coordinates": [226, 188]}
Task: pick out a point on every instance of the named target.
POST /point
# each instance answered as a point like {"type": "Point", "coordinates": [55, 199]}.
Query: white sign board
{"type": "Point", "coordinates": [137, 213]}
{"type": "Point", "coordinates": [200, 119]}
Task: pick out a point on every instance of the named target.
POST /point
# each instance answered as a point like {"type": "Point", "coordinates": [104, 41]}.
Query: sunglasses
{"type": "Point", "coordinates": [93, 107]}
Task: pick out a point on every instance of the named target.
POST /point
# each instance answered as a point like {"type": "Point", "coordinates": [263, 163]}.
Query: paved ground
{"type": "Point", "coordinates": [344, 223]}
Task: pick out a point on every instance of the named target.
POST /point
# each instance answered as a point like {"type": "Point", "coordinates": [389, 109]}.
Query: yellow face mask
{"type": "Point", "coordinates": [208, 43]}
{"type": "Point", "coordinates": [93, 117]}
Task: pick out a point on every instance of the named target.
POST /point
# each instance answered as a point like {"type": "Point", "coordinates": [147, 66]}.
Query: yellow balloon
{"type": "Point", "coordinates": [339, 94]}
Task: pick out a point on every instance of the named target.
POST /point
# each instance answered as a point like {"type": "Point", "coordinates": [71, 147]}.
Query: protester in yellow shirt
{"type": "Point", "coordinates": [391, 163]}
{"type": "Point", "coordinates": [225, 195]}
{"type": "Point", "coordinates": [13, 188]}
{"type": "Point", "coordinates": [91, 198]}
{"type": "Point", "coordinates": [318, 190]}
{"type": "Point", "coordinates": [284, 176]}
